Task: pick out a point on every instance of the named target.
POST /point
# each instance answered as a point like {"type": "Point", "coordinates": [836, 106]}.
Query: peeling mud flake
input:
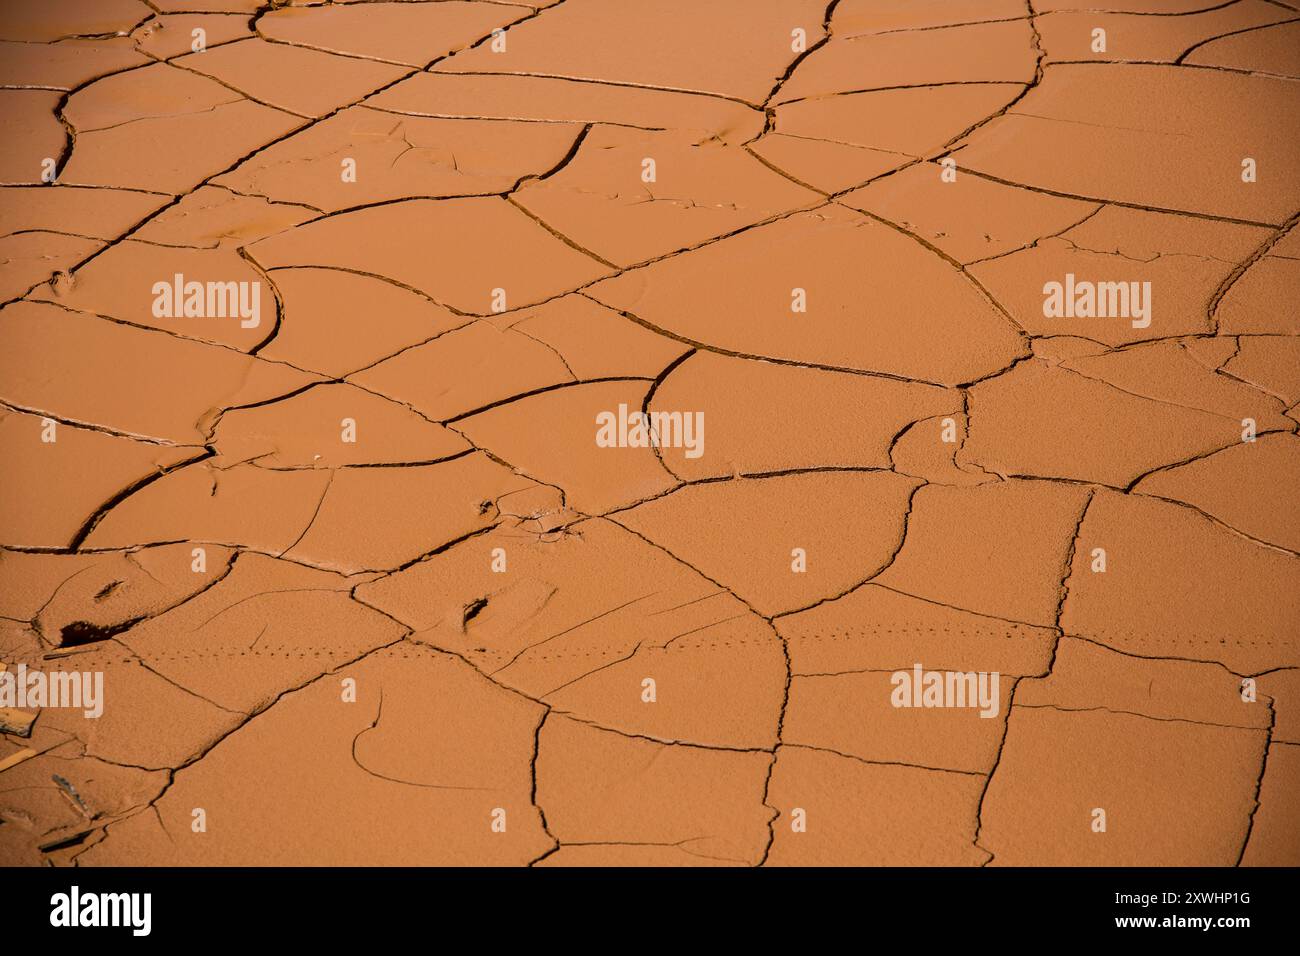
{"type": "Point", "coordinates": [41, 21]}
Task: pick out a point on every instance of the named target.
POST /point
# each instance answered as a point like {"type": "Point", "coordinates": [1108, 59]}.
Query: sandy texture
{"type": "Point", "coordinates": [328, 330]}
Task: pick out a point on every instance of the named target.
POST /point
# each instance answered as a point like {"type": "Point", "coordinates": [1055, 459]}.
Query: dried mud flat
{"type": "Point", "coordinates": [337, 531]}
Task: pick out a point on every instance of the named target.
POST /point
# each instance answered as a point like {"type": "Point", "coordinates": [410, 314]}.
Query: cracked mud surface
{"type": "Point", "coordinates": [429, 644]}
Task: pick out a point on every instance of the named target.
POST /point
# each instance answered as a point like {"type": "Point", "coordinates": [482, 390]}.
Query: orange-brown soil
{"type": "Point", "coordinates": [313, 314]}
